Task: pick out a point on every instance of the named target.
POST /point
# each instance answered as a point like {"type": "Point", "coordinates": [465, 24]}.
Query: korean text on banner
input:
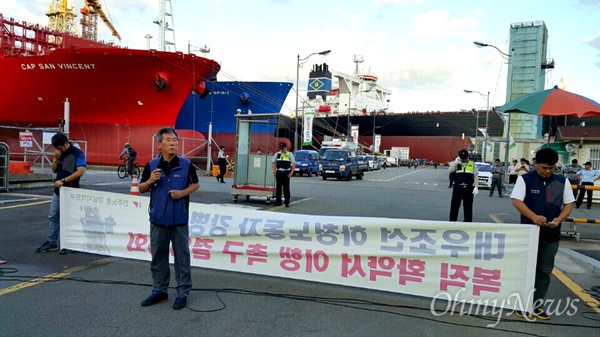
{"type": "Point", "coordinates": [468, 261]}
{"type": "Point", "coordinates": [309, 115]}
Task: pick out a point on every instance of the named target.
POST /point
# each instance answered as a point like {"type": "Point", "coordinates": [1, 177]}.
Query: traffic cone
{"type": "Point", "coordinates": [135, 189]}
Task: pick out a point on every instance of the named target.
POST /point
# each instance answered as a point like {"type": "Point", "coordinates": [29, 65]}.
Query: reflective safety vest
{"type": "Point", "coordinates": [466, 175]}
{"type": "Point", "coordinates": [283, 161]}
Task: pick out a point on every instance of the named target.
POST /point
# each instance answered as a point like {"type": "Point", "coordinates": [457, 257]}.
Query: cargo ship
{"type": "Point", "coordinates": [111, 94]}
{"type": "Point", "coordinates": [345, 102]}
{"type": "Point", "coordinates": [215, 114]}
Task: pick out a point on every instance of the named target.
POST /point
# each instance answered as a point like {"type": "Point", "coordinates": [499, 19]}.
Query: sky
{"type": "Point", "coordinates": [422, 50]}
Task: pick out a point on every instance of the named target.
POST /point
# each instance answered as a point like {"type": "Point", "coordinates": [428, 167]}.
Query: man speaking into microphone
{"type": "Point", "coordinates": [170, 180]}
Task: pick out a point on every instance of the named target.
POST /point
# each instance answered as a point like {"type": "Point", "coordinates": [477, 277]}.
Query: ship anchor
{"type": "Point", "coordinates": [160, 82]}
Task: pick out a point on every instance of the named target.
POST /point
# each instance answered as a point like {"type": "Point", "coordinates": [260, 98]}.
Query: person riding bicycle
{"type": "Point", "coordinates": [131, 155]}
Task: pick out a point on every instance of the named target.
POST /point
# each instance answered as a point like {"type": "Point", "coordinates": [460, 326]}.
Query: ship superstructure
{"type": "Point", "coordinates": [336, 93]}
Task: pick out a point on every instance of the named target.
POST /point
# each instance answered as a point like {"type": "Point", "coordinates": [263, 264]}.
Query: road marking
{"type": "Point", "coordinates": [25, 205]}
{"type": "Point", "coordinates": [113, 183]}
{"type": "Point", "coordinates": [574, 287]}
{"type": "Point", "coordinates": [396, 177]}
{"type": "Point", "coordinates": [39, 196]}
{"type": "Point", "coordinates": [577, 290]}
{"type": "Point", "coordinates": [291, 203]}
{"type": "Point", "coordinates": [51, 277]}
{"type": "Point", "coordinates": [40, 280]}
{"type": "Point", "coordinates": [16, 200]}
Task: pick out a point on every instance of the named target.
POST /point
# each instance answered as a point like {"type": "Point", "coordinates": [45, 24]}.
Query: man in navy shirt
{"type": "Point", "coordinates": [170, 179]}
{"type": "Point", "coordinates": [544, 199]}
{"type": "Point", "coordinates": [69, 165]}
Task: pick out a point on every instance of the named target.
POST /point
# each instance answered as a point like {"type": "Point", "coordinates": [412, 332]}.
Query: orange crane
{"type": "Point", "coordinates": [89, 20]}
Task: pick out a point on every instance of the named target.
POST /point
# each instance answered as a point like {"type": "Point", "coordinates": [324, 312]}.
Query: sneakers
{"type": "Point", "coordinates": [180, 303]}
{"type": "Point", "coordinates": [65, 251]}
{"type": "Point", "coordinates": [155, 297]}
{"type": "Point", "coordinates": [47, 247]}
{"type": "Point", "coordinates": [537, 313]}
{"type": "Point", "coordinates": [540, 313]}
{"type": "Point", "coordinates": [522, 314]}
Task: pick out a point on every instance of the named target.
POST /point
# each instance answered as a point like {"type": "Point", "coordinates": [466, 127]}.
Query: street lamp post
{"type": "Point", "coordinates": [298, 64]}
{"type": "Point", "coordinates": [487, 113]}
{"type": "Point", "coordinates": [508, 57]}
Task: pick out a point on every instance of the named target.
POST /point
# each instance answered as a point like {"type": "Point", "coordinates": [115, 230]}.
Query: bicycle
{"type": "Point", "coordinates": [122, 169]}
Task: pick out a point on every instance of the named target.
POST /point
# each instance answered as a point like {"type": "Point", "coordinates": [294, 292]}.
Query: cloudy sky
{"type": "Point", "coordinates": [420, 49]}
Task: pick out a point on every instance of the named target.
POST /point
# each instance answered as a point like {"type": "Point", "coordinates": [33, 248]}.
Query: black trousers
{"type": "Point", "coordinates": [130, 161]}
{"type": "Point", "coordinates": [282, 180]}
{"type": "Point", "coordinates": [575, 191]}
{"type": "Point", "coordinates": [582, 193]}
{"type": "Point", "coordinates": [462, 195]}
{"type": "Point", "coordinates": [222, 169]}
{"type": "Point", "coordinates": [543, 269]}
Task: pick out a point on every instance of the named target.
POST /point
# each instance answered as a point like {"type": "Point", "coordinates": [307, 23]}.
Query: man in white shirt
{"type": "Point", "coordinates": [544, 199]}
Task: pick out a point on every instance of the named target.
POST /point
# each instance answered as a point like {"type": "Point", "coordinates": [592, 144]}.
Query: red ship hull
{"type": "Point", "coordinates": [116, 95]}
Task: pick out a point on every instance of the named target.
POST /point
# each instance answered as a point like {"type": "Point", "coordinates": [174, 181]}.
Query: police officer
{"type": "Point", "coordinates": [222, 164]}
{"type": "Point", "coordinates": [465, 185]}
{"type": "Point", "coordinates": [283, 168]}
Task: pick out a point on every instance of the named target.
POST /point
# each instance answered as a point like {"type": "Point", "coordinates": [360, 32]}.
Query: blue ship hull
{"type": "Point", "coordinates": [223, 102]}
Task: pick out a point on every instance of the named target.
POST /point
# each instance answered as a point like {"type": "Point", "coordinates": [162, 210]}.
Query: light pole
{"type": "Point", "coordinates": [507, 57]}
{"type": "Point", "coordinates": [487, 113]}
{"type": "Point", "coordinates": [303, 60]}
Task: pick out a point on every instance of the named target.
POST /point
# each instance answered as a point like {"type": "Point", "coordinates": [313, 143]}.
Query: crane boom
{"type": "Point", "coordinates": [89, 21]}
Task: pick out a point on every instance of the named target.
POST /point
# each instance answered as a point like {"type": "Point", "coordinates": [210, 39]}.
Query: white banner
{"type": "Point", "coordinates": [377, 143]}
{"type": "Point", "coordinates": [309, 115]}
{"type": "Point", "coordinates": [354, 133]}
{"type": "Point", "coordinates": [467, 261]}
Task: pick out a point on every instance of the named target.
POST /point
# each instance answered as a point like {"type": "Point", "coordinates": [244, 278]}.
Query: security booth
{"type": "Point", "coordinates": [4, 166]}
{"type": "Point", "coordinates": [253, 175]}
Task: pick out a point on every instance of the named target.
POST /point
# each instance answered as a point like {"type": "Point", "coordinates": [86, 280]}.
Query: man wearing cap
{"type": "Point", "coordinates": [283, 168]}
{"type": "Point", "coordinates": [465, 186]}
{"type": "Point", "coordinates": [587, 176]}
{"type": "Point", "coordinates": [570, 173]}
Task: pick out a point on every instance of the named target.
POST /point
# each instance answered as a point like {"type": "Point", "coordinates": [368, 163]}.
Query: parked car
{"type": "Point", "coordinates": [307, 161]}
{"type": "Point", "coordinates": [391, 162]}
{"type": "Point", "coordinates": [363, 163]}
{"type": "Point", "coordinates": [485, 175]}
{"type": "Point", "coordinates": [373, 162]}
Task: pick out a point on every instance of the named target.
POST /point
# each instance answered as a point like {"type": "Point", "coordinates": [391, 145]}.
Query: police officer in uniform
{"type": "Point", "coordinates": [465, 186]}
{"type": "Point", "coordinates": [222, 164]}
{"type": "Point", "coordinates": [283, 168]}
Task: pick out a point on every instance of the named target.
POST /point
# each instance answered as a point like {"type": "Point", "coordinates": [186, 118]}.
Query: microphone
{"type": "Point", "coordinates": [158, 167]}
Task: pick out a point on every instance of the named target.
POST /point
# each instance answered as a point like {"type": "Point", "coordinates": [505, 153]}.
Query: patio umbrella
{"type": "Point", "coordinates": [553, 102]}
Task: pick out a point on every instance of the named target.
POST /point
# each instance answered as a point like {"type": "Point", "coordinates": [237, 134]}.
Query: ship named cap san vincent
{"type": "Point", "coordinates": [114, 94]}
